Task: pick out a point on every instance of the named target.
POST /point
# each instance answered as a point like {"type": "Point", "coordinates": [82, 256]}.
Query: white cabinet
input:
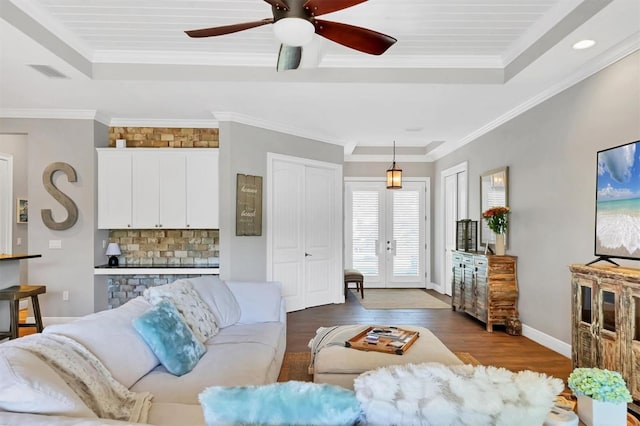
{"type": "Point", "coordinates": [159, 190]}
{"type": "Point", "coordinates": [114, 189]}
{"type": "Point", "coordinates": [168, 188]}
{"type": "Point", "coordinates": [203, 191]}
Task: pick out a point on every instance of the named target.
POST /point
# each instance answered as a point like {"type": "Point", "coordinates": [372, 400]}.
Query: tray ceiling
{"type": "Point", "coordinates": [492, 55]}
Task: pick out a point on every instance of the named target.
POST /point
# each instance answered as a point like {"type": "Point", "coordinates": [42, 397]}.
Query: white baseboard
{"type": "Point", "coordinates": [544, 339]}
{"type": "Point", "coordinates": [437, 287]}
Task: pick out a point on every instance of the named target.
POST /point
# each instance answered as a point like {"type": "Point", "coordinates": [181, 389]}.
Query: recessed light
{"type": "Point", "coordinates": [584, 44]}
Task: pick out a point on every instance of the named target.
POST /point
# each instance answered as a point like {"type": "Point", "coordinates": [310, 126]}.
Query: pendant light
{"type": "Point", "coordinates": [394, 174]}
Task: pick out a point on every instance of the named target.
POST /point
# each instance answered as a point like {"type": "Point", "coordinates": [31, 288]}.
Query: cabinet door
{"type": "Point", "coordinates": [114, 189]}
{"type": "Point", "coordinates": [583, 340]}
{"type": "Point", "coordinates": [610, 321]}
{"type": "Point", "coordinates": [172, 185]}
{"type": "Point", "coordinates": [469, 284]}
{"type": "Point", "coordinates": [631, 367]}
{"type": "Point", "coordinates": [480, 291]}
{"type": "Point", "coordinates": [202, 190]}
{"type": "Point", "coordinates": [145, 189]}
{"type": "Point", "coordinates": [457, 285]}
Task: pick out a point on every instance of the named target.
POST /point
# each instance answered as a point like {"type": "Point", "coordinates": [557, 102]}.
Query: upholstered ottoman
{"type": "Point", "coordinates": [333, 363]}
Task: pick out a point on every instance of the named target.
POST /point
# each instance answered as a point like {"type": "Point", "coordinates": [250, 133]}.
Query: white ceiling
{"type": "Point", "coordinates": [459, 68]}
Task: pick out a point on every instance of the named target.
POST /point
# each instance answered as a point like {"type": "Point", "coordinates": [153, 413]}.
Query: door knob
{"type": "Point", "coordinates": [307, 255]}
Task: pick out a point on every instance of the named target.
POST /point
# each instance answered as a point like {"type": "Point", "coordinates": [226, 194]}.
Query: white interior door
{"type": "Point", "coordinates": [454, 190]}
{"type": "Point", "coordinates": [6, 203]}
{"type": "Point", "coordinates": [304, 236]}
{"type": "Point", "coordinates": [386, 233]}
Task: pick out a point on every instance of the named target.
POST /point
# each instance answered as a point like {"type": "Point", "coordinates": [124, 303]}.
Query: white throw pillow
{"type": "Point", "coordinates": [259, 301]}
{"type": "Point", "coordinates": [196, 313]}
{"type": "Point", "coordinates": [29, 385]}
{"type": "Point", "coordinates": [110, 336]}
{"type": "Point", "coordinates": [219, 298]}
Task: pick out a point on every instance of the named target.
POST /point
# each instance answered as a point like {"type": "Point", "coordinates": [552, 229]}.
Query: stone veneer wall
{"type": "Point", "coordinates": [164, 137]}
{"type": "Point", "coordinates": [122, 288]}
{"type": "Point", "coordinates": [167, 247]}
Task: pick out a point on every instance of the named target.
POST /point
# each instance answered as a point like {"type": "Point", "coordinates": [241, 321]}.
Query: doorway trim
{"type": "Point", "coordinates": [453, 170]}
{"type": "Point", "coordinates": [7, 194]}
{"type": "Point", "coordinates": [427, 211]}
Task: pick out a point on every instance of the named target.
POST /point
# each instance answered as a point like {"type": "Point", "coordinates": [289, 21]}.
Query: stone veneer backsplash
{"type": "Point", "coordinates": [167, 247]}
{"type": "Point", "coordinates": [122, 288]}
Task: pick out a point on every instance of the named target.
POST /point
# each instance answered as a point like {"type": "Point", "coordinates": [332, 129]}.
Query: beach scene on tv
{"type": "Point", "coordinates": [618, 202]}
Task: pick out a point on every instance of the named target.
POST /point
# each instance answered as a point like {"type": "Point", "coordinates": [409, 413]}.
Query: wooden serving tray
{"type": "Point", "coordinates": [396, 341]}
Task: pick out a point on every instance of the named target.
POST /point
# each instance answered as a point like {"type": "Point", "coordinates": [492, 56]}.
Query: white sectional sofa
{"type": "Point", "coordinates": [246, 351]}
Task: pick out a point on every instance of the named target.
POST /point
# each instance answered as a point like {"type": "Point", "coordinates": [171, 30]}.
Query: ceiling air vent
{"type": "Point", "coordinates": [48, 71]}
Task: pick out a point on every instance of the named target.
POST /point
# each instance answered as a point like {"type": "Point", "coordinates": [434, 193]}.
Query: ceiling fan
{"type": "Point", "coordinates": [295, 23]}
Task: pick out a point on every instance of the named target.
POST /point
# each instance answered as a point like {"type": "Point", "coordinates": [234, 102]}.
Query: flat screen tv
{"type": "Point", "coordinates": [618, 203]}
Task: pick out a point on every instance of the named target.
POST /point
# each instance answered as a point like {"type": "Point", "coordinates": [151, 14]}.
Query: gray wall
{"type": "Point", "coordinates": [551, 154]}
{"type": "Point", "coordinates": [71, 268]}
{"type": "Point", "coordinates": [243, 149]}
{"type": "Point", "coordinates": [16, 145]}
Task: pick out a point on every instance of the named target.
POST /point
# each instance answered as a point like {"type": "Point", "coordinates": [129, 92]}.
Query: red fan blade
{"type": "Point", "coordinates": [278, 4]}
{"type": "Point", "coordinates": [322, 7]}
{"type": "Point", "coordinates": [227, 29]}
{"type": "Point", "coordinates": [362, 39]}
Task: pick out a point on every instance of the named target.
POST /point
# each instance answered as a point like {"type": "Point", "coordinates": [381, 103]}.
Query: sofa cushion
{"type": "Point", "coordinates": [29, 385]}
{"type": "Point", "coordinates": [195, 311]}
{"type": "Point", "coordinates": [288, 403]}
{"type": "Point", "coordinates": [259, 301]}
{"type": "Point", "coordinates": [173, 342]}
{"type": "Point", "coordinates": [219, 298]}
{"type": "Point", "coordinates": [110, 336]}
{"type": "Point", "coordinates": [223, 365]}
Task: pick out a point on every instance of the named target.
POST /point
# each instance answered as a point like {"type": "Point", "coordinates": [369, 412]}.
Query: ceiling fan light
{"type": "Point", "coordinates": [294, 31]}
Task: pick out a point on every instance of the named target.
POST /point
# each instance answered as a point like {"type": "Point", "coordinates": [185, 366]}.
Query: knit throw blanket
{"type": "Point", "coordinates": [88, 377]}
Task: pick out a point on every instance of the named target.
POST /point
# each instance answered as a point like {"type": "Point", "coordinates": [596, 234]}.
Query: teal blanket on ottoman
{"type": "Point", "coordinates": [288, 403]}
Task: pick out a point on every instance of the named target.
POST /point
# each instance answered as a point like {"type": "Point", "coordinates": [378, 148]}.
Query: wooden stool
{"type": "Point", "coordinates": [353, 276]}
{"type": "Point", "coordinates": [13, 295]}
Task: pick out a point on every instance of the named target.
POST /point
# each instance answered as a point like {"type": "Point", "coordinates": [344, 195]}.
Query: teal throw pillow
{"type": "Point", "coordinates": [170, 339]}
{"type": "Point", "coordinates": [287, 403]}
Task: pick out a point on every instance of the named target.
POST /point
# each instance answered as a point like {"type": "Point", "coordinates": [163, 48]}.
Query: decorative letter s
{"type": "Point", "coordinates": [67, 203]}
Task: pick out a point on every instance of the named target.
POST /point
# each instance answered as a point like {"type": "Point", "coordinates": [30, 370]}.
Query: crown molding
{"type": "Point", "coordinates": [163, 122]}
{"type": "Point", "coordinates": [611, 56]}
{"type": "Point", "coordinates": [275, 126]}
{"type": "Point", "coordinates": [60, 114]}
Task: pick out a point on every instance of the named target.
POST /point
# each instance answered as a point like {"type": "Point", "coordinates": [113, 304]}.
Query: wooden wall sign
{"type": "Point", "coordinates": [62, 198]}
{"type": "Point", "coordinates": [248, 205]}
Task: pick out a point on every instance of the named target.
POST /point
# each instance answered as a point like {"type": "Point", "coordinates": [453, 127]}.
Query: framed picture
{"type": "Point", "coordinates": [248, 205]}
{"type": "Point", "coordinates": [22, 210]}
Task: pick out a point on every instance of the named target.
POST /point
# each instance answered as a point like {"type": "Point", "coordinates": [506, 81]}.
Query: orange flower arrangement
{"type": "Point", "coordinates": [497, 219]}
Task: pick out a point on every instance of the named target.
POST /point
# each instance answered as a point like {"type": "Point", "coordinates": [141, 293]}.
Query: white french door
{"type": "Point", "coordinates": [385, 233]}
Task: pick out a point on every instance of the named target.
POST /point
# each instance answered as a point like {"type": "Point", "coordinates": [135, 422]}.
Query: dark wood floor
{"type": "Point", "coordinates": [458, 331]}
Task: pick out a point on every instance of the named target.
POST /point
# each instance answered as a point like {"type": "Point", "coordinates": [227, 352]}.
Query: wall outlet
{"type": "Point", "coordinates": [65, 295]}
{"type": "Point", "coordinates": [19, 241]}
{"type": "Point", "coordinates": [55, 244]}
